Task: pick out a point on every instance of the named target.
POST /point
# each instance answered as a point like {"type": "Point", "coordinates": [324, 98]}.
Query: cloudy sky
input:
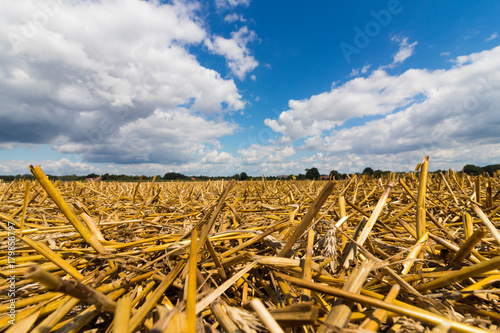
{"type": "Point", "coordinates": [219, 87]}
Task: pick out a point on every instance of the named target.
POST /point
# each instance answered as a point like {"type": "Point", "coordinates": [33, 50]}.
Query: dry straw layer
{"type": "Point", "coordinates": [362, 254]}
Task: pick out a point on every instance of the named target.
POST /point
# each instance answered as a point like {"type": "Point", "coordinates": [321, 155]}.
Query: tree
{"type": "Point", "coordinates": [243, 176]}
{"type": "Point", "coordinates": [174, 176]}
{"type": "Point", "coordinates": [334, 174]}
{"type": "Point", "coordinates": [312, 173]}
{"type": "Point", "coordinates": [236, 176]}
{"type": "Point", "coordinates": [491, 169]}
{"type": "Point", "coordinates": [377, 173]}
{"type": "Point", "coordinates": [368, 171]}
{"type": "Point", "coordinates": [471, 169]}
{"type": "Point", "coordinates": [301, 176]}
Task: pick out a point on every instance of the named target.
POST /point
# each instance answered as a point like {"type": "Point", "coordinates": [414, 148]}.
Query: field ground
{"type": "Point", "coordinates": [180, 257]}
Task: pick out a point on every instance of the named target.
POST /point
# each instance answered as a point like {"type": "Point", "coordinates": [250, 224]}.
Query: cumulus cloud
{"type": "Point", "coordinates": [238, 56]}
{"type": "Point", "coordinates": [166, 136]}
{"type": "Point", "coordinates": [445, 112]}
{"type": "Point", "coordinates": [441, 158]}
{"type": "Point", "coordinates": [214, 157]}
{"type": "Point", "coordinates": [377, 94]}
{"type": "Point", "coordinates": [61, 167]}
{"type": "Point", "coordinates": [255, 159]}
{"type": "Point", "coordinates": [256, 154]}
{"type": "Point", "coordinates": [112, 81]}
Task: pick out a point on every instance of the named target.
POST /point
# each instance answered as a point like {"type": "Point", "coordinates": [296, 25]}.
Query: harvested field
{"type": "Point", "coordinates": [406, 253]}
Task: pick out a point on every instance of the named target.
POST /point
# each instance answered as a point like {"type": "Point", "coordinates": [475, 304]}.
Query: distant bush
{"type": "Point", "coordinates": [175, 176]}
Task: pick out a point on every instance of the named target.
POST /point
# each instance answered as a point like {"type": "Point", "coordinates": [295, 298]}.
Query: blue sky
{"type": "Point", "coordinates": [225, 86]}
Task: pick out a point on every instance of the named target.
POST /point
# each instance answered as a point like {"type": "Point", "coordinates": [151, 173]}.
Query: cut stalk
{"type": "Point", "coordinates": [222, 318]}
{"type": "Point", "coordinates": [53, 257]}
{"type": "Point", "coordinates": [462, 274]}
{"type": "Point", "coordinates": [122, 315]}
{"type": "Point", "coordinates": [72, 288]}
{"type": "Point", "coordinates": [477, 189]}
{"type": "Point", "coordinates": [48, 323]}
{"type": "Point", "coordinates": [222, 288]}
{"type": "Point", "coordinates": [412, 312]}
{"type": "Point", "coordinates": [379, 316]}
{"type": "Point", "coordinates": [140, 314]}
{"type": "Point", "coordinates": [266, 318]}
{"type": "Point", "coordinates": [415, 251]}
{"type": "Point", "coordinates": [307, 275]}
{"type": "Point", "coordinates": [311, 213]}
{"type": "Point", "coordinates": [368, 227]}
{"type": "Point", "coordinates": [467, 247]}
{"type": "Point", "coordinates": [341, 311]}
{"type": "Point", "coordinates": [494, 232]}
{"type": "Point", "coordinates": [191, 284]}
{"type": "Point", "coordinates": [25, 205]}
{"type": "Point", "coordinates": [66, 210]}
{"type": "Point", "coordinates": [468, 225]}
{"type": "Point", "coordinates": [92, 226]}
{"type": "Point", "coordinates": [421, 210]}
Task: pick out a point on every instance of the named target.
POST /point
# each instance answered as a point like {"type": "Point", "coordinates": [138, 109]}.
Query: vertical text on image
{"type": "Point", "coordinates": [11, 273]}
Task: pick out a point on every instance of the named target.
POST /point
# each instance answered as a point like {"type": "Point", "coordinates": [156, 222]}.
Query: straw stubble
{"type": "Point", "coordinates": [188, 255]}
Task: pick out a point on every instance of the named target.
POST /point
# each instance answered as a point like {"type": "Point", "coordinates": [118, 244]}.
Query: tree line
{"type": "Point", "coordinates": [475, 170]}
{"type": "Point", "coordinates": [169, 176]}
{"type": "Point", "coordinates": [311, 173]}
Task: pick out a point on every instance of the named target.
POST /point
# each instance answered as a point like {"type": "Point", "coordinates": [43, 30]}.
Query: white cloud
{"type": "Point", "coordinates": [255, 160]}
{"type": "Point", "coordinates": [358, 71]}
{"type": "Point", "coordinates": [84, 76]}
{"type": "Point", "coordinates": [61, 167]}
{"type": "Point", "coordinates": [238, 57]}
{"type": "Point", "coordinates": [492, 37]}
{"type": "Point", "coordinates": [6, 146]}
{"type": "Point", "coordinates": [405, 50]}
{"type": "Point", "coordinates": [227, 4]}
{"type": "Point", "coordinates": [377, 94]}
{"type": "Point", "coordinates": [258, 154]}
{"type": "Point", "coordinates": [451, 114]}
{"type": "Point", "coordinates": [351, 163]}
{"type": "Point", "coordinates": [445, 54]}
{"type": "Point", "coordinates": [214, 157]}
{"type": "Point", "coordinates": [166, 136]}
{"type": "Point", "coordinates": [230, 18]}
{"type": "Point", "coordinates": [440, 158]}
